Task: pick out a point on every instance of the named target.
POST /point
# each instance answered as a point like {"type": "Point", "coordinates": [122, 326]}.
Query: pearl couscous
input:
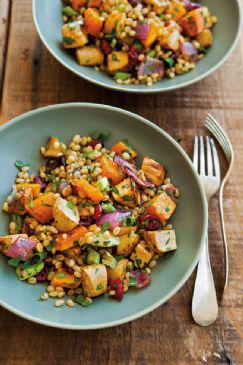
{"type": "Point", "coordinates": [90, 222]}
{"type": "Point", "coordinates": [137, 41]}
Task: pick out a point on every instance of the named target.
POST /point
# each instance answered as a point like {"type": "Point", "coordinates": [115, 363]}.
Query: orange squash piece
{"type": "Point", "coordinates": [127, 230]}
{"type": "Point", "coordinates": [193, 23]}
{"type": "Point", "coordinates": [41, 208]}
{"type": "Point", "coordinates": [77, 4]}
{"type": "Point", "coordinates": [161, 206]}
{"type": "Point", "coordinates": [177, 10]}
{"type": "Point", "coordinates": [84, 189]}
{"type": "Point", "coordinates": [71, 237]}
{"type": "Point", "coordinates": [92, 22]}
{"type": "Point", "coordinates": [117, 60]}
{"type": "Point", "coordinates": [152, 35]}
{"type": "Point", "coordinates": [65, 280]}
{"type": "Point", "coordinates": [123, 146]}
{"type": "Point", "coordinates": [35, 188]}
{"type": "Point", "coordinates": [95, 3]}
{"type": "Point", "coordinates": [20, 204]}
{"type": "Point", "coordinates": [111, 170]}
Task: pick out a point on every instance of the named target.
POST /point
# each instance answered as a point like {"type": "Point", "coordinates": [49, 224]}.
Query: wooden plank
{"type": "Point", "coordinates": [4, 22]}
{"type": "Point", "coordinates": [168, 335]}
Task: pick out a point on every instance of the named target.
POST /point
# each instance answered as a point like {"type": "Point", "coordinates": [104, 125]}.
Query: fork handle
{"type": "Point", "coordinates": [204, 301]}
{"type": "Point", "coordinates": [221, 213]}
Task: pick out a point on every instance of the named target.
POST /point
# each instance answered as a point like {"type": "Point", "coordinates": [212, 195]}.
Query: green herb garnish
{"type": "Point", "coordinates": [15, 261]}
{"type": "Point", "coordinates": [122, 75]}
{"type": "Point", "coordinates": [21, 164]}
{"type": "Point", "coordinates": [102, 135]}
{"type": "Point", "coordinates": [80, 299]}
{"type": "Point", "coordinates": [132, 281]}
{"type": "Point", "coordinates": [61, 275]}
{"type": "Point", "coordinates": [71, 206]}
{"type": "Point", "coordinates": [68, 40]}
{"type": "Point", "coordinates": [105, 226]}
{"type": "Point", "coordinates": [68, 10]}
{"type": "Point", "coordinates": [170, 61]}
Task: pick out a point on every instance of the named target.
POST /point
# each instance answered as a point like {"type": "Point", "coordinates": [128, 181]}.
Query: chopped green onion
{"type": "Point", "coordinates": [152, 53]}
{"type": "Point", "coordinates": [15, 261]}
{"type": "Point", "coordinates": [68, 40]}
{"type": "Point", "coordinates": [21, 164]}
{"type": "Point", "coordinates": [122, 75]}
{"type": "Point", "coordinates": [170, 61]}
{"type": "Point", "coordinates": [84, 302]}
{"type": "Point", "coordinates": [68, 10]}
{"type": "Point", "coordinates": [103, 184]}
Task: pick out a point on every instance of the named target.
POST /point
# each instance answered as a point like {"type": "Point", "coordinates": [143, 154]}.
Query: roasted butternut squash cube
{"type": "Point", "coordinates": [77, 4]}
{"type": "Point", "coordinates": [161, 206]}
{"type": "Point", "coordinates": [161, 241]}
{"type": "Point", "coordinates": [170, 39]}
{"type": "Point", "coordinates": [193, 22]}
{"type": "Point", "coordinates": [111, 170]}
{"type": "Point", "coordinates": [205, 38]}
{"type": "Point", "coordinates": [92, 21]}
{"type": "Point", "coordinates": [115, 24]}
{"type": "Point", "coordinates": [67, 241]}
{"type": "Point", "coordinates": [153, 171]}
{"type": "Point", "coordinates": [64, 279]}
{"type": "Point", "coordinates": [84, 189]}
{"type": "Point", "coordinates": [127, 230]}
{"type": "Point", "coordinates": [142, 255]}
{"type": "Point", "coordinates": [94, 280]}
{"type": "Point", "coordinates": [125, 194]}
{"type": "Point", "coordinates": [127, 244]}
{"type": "Point", "coordinates": [152, 35]}
{"type": "Point", "coordinates": [176, 9]}
{"type": "Point", "coordinates": [89, 56]}
{"type": "Point", "coordinates": [117, 60]}
{"type": "Point", "coordinates": [35, 188]}
{"type": "Point", "coordinates": [124, 146]}
{"type": "Point", "coordinates": [42, 208]}
{"type": "Point", "coordinates": [119, 272]}
{"type": "Point", "coordinates": [54, 148]}
{"type": "Point", "coordinates": [73, 36]}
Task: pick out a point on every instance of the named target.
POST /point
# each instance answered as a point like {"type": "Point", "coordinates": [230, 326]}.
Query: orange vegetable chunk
{"type": "Point", "coordinates": [193, 22]}
{"type": "Point", "coordinates": [65, 280]}
{"type": "Point", "coordinates": [111, 170]}
{"type": "Point", "coordinates": [93, 23]}
{"type": "Point", "coordinates": [84, 189]}
{"type": "Point", "coordinates": [161, 206]}
{"type": "Point", "coordinates": [42, 208]}
{"type": "Point", "coordinates": [66, 241]}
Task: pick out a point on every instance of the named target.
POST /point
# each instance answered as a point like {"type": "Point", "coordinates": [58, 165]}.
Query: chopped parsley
{"type": "Point", "coordinates": [99, 286]}
{"type": "Point", "coordinates": [61, 275]}
{"type": "Point", "coordinates": [105, 226]}
{"type": "Point", "coordinates": [132, 281]}
{"type": "Point", "coordinates": [21, 164]}
{"type": "Point", "coordinates": [169, 61]}
{"type": "Point", "coordinates": [30, 203]}
{"type": "Point", "coordinates": [137, 263]}
{"type": "Point", "coordinates": [114, 57]}
{"type": "Point", "coordinates": [68, 40]}
{"type": "Point", "coordinates": [80, 299]}
{"type": "Point", "coordinates": [15, 261]}
{"type": "Point", "coordinates": [71, 206]}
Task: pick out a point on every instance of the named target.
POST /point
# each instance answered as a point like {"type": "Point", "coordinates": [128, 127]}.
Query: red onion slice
{"type": "Point", "coordinates": [143, 279]}
{"type": "Point", "coordinates": [115, 219]}
{"type": "Point", "coordinates": [131, 171]}
{"type": "Point", "coordinates": [22, 246]}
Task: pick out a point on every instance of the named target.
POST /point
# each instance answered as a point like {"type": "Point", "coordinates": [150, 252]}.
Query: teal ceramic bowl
{"type": "Point", "coordinates": [21, 139]}
{"type": "Point", "coordinates": [48, 22]}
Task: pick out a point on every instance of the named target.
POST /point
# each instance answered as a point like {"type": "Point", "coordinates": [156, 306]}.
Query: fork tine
{"type": "Point", "coordinates": [209, 158]}
{"type": "Point", "coordinates": [215, 159]}
{"type": "Point", "coordinates": [220, 139]}
{"type": "Point", "coordinates": [202, 157]}
{"type": "Point", "coordinates": [195, 153]}
{"type": "Point", "coordinates": [220, 135]}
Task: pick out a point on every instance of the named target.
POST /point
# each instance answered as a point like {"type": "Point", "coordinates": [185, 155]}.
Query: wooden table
{"type": "Point", "coordinates": [31, 78]}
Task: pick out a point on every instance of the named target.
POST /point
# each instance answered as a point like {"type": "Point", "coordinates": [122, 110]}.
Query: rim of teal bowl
{"type": "Point", "coordinates": [204, 228]}
{"type": "Point", "coordinates": [138, 90]}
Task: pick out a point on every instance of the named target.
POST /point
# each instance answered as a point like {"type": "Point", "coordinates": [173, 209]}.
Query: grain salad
{"type": "Point", "coordinates": [137, 41]}
{"type": "Point", "coordinates": [91, 221]}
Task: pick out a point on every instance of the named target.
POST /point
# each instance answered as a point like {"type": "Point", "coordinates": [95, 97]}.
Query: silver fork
{"type": "Point", "coordinates": [223, 140]}
{"type": "Point", "coordinates": [204, 301]}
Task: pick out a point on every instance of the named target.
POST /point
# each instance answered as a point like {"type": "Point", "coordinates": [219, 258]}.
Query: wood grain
{"type": "Point", "coordinates": [167, 335]}
{"type": "Point", "coordinates": [5, 7]}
